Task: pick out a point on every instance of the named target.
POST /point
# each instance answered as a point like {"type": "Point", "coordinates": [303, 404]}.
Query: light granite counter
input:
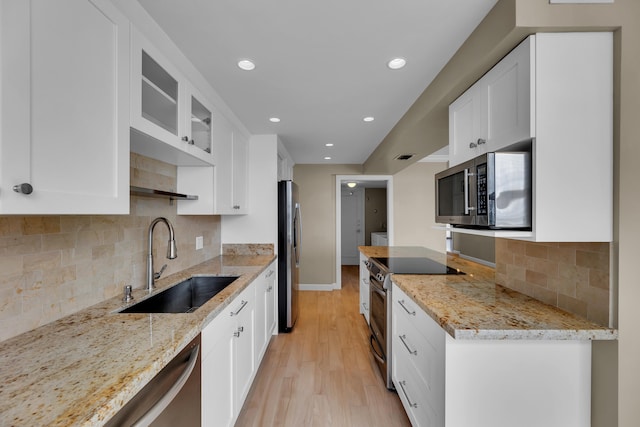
{"type": "Point", "coordinates": [81, 369]}
{"type": "Point", "coordinates": [473, 306]}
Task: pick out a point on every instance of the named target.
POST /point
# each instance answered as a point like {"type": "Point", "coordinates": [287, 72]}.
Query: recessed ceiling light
{"type": "Point", "coordinates": [397, 63]}
{"type": "Point", "coordinates": [368, 119]}
{"type": "Point", "coordinates": [351, 184]}
{"type": "Point", "coordinates": [246, 64]}
{"type": "Point", "coordinates": [327, 158]}
{"type": "Point", "coordinates": [274, 120]}
{"type": "Point", "coordinates": [328, 145]}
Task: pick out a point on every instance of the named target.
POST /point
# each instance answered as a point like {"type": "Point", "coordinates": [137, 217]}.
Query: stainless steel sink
{"type": "Point", "coordinates": [185, 297]}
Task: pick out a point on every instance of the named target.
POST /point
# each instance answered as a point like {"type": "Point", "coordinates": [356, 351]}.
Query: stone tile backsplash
{"type": "Point", "coordinates": [52, 266]}
{"type": "Point", "coordinates": [571, 276]}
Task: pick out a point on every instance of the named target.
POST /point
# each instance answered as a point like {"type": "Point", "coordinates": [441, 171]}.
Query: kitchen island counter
{"type": "Point", "coordinates": [81, 369]}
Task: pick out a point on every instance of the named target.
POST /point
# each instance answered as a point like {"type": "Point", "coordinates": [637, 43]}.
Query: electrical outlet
{"type": "Point", "coordinates": [199, 242]}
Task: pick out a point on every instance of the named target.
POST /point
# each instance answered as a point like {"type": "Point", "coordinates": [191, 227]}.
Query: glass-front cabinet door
{"type": "Point", "coordinates": [172, 118]}
{"type": "Point", "coordinates": [200, 123]}
{"type": "Point", "coordinates": [159, 92]}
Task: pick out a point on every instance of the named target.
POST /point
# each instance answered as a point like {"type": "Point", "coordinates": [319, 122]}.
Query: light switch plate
{"type": "Point", "coordinates": [199, 242]}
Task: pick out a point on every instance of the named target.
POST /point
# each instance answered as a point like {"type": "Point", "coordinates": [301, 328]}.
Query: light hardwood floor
{"type": "Point", "coordinates": [322, 374]}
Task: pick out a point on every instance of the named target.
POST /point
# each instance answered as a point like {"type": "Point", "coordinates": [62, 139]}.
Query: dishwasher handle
{"type": "Point", "coordinates": [168, 397]}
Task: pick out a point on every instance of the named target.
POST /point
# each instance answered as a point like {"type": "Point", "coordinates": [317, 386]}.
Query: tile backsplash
{"type": "Point", "coordinates": [571, 276]}
{"type": "Point", "coordinates": [51, 266]}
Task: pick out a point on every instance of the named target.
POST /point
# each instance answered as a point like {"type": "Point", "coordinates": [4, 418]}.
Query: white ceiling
{"type": "Point", "coordinates": [320, 66]}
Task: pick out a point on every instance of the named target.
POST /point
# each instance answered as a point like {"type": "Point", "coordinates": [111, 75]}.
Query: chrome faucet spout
{"type": "Point", "coordinates": [172, 251]}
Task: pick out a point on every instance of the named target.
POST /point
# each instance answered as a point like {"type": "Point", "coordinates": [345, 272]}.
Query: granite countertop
{"type": "Point", "coordinates": [81, 369]}
{"type": "Point", "coordinates": [473, 306]}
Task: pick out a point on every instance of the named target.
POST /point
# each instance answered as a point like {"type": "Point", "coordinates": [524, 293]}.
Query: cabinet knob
{"type": "Point", "coordinates": [185, 138]}
{"type": "Point", "coordinates": [481, 141]}
{"type": "Point", "coordinates": [472, 145]}
{"type": "Point", "coordinates": [24, 188]}
{"type": "Point", "coordinates": [236, 206]}
{"type": "Point", "coordinates": [191, 142]}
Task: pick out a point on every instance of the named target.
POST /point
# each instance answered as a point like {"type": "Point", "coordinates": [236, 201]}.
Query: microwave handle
{"type": "Point", "coordinates": [466, 191]}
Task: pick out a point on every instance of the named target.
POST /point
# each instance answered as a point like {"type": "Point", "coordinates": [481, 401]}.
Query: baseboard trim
{"type": "Point", "coordinates": [317, 287]}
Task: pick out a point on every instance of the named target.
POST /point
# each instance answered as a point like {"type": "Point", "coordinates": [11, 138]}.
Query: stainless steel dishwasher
{"type": "Point", "coordinates": [171, 398]}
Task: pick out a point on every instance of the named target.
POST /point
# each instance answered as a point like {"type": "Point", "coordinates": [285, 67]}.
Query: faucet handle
{"type": "Point", "coordinates": [159, 273]}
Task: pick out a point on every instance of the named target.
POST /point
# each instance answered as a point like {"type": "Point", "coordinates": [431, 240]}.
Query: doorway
{"type": "Point", "coordinates": [352, 223]}
{"type": "Point", "coordinates": [352, 227]}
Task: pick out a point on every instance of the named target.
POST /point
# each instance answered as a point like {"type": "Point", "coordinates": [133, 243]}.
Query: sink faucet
{"type": "Point", "coordinates": [172, 252]}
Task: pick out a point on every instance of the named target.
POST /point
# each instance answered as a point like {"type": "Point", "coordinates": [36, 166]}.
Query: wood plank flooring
{"type": "Point", "coordinates": [322, 374]}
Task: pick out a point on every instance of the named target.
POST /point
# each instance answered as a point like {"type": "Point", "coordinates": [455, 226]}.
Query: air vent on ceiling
{"type": "Point", "coordinates": [404, 156]}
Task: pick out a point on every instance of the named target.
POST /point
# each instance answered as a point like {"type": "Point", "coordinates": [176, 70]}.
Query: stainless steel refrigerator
{"type": "Point", "coordinates": [289, 239]}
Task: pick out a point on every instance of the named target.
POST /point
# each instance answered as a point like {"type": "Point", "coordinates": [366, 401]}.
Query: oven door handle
{"type": "Point", "coordinates": [377, 290]}
{"type": "Point", "coordinates": [373, 350]}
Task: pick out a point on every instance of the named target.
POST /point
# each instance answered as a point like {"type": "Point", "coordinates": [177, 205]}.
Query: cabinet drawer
{"type": "Point", "coordinates": [407, 308]}
{"type": "Point", "coordinates": [419, 352]}
{"type": "Point", "coordinates": [416, 401]}
{"type": "Point", "coordinates": [224, 321]}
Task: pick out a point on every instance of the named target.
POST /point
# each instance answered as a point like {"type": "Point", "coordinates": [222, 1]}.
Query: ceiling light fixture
{"type": "Point", "coordinates": [351, 184]}
{"type": "Point", "coordinates": [274, 120]}
{"type": "Point", "coordinates": [397, 63]}
{"type": "Point", "coordinates": [328, 145]}
{"type": "Point", "coordinates": [246, 64]}
{"type": "Point", "coordinates": [327, 158]}
{"type": "Point", "coordinates": [368, 119]}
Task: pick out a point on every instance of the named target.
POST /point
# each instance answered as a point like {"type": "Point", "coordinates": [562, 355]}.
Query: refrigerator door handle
{"type": "Point", "coordinates": [297, 233]}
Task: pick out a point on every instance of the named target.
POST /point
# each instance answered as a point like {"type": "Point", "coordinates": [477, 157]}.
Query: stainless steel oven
{"type": "Point", "coordinates": [380, 270]}
{"type": "Point", "coordinates": [380, 321]}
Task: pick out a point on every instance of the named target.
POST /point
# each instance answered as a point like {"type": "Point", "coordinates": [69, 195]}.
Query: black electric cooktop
{"type": "Point", "coordinates": [408, 265]}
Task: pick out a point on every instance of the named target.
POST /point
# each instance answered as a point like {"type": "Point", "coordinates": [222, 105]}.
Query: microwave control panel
{"type": "Point", "coordinates": [481, 173]}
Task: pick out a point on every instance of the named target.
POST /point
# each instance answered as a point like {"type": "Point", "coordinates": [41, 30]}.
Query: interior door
{"type": "Point", "coordinates": [352, 218]}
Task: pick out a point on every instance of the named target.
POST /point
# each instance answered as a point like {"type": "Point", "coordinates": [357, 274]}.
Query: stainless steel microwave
{"type": "Point", "coordinates": [490, 191]}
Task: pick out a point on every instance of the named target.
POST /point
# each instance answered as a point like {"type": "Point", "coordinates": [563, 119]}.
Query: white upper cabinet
{"type": "Point", "coordinates": [64, 90]}
{"type": "Point", "coordinates": [556, 89]}
{"type": "Point", "coordinates": [495, 111]}
{"type": "Point", "coordinates": [509, 96]}
{"type": "Point", "coordinates": [467, 125]}
{"type": "Point", "coordinates": [231, 171]}
{"type": "Point", "coordinates": [221, 190]}
{"type": "Point", "coordinates": [171, 119]}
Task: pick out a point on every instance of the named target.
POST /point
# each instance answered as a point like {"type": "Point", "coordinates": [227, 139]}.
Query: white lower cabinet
{"type": "Point", "coordinates": [228, 364]}
{"type": "Point", "coordinates": [217, 375]}
{"type": "Point", "coordinates": [418, 364]}
{"type": "Point", "coordinates": [364, 288]}
{"type": "Point", "coordinates": [442, 381]}
{"type": "Point", "coordinates": [233, 345]}
{"type": "Point", "coordinates": [265, 310]}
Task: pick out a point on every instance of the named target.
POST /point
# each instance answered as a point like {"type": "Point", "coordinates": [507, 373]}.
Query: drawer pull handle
{"type": "Point", "coordinates": [243, 303]}
{"type": "Point", "coordinates": [401, 302]}
{"type": "Point", "coordinates": [402, 384]}
{"type": "Point", "coordinates": [403, 338]}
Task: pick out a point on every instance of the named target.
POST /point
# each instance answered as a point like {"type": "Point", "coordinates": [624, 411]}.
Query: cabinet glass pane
{"type": "Point", "coordinates": [200, 125]}
{"type": "Point", "coordinates": [159, 95]}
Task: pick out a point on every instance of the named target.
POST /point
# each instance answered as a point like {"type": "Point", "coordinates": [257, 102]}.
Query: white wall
{"type": "Point", "coordinates": [261, 225]}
